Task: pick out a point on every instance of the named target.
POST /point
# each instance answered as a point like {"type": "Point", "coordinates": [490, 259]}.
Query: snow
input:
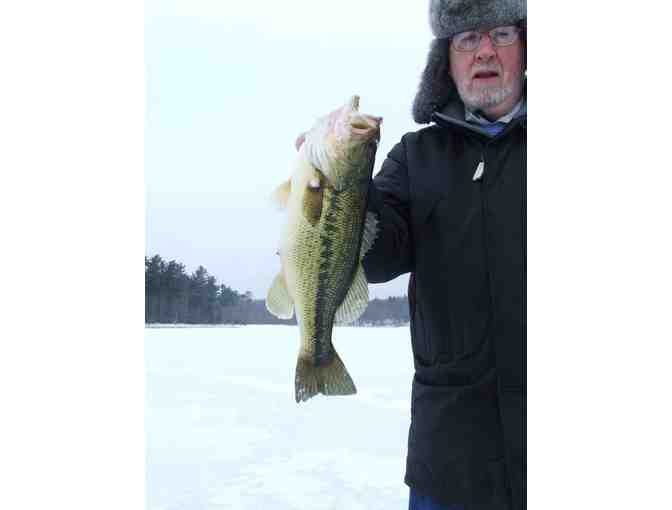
{"type": "Point", "coordinates": [223, 430]}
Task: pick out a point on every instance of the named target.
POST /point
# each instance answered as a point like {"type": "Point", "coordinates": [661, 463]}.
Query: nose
{"type": "Point", "coordinates": [485, 50]}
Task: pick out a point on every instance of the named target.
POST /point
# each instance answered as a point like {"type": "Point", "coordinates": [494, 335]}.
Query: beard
{"type": "Point", "coordinates": [485, 97]}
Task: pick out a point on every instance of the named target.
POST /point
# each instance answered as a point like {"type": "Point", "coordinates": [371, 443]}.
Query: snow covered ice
{"type": "Point", "coordinates": [223, 430]}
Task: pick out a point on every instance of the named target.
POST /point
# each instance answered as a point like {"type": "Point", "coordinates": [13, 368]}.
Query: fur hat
{"type": "Point", "coordinates": [447, 18]}
{"type": "Point", "coordinates": [450, 17]}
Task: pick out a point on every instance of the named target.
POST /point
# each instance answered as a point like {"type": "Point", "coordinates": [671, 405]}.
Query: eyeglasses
{"type": "Point", "coordinates": [499, 36]}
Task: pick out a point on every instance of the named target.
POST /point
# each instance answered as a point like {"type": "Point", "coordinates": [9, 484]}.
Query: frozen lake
{"type": "Point", "coordinates": [223, 430]}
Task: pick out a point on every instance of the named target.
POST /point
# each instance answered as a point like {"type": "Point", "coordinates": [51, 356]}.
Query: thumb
{"type": "Point", "coordinates": [299, 141]}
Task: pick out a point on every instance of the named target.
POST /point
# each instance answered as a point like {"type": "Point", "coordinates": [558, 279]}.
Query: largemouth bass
{"type": "Point", "coordinates": [326, 234]}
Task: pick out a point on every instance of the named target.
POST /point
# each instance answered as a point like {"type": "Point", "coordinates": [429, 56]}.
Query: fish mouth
{"type": "Point", "coordinates": [364, 122]}
{"type": "Point", "coordinates": [361, 125]}
{"type": "Point", "coordinates": [365, 126]}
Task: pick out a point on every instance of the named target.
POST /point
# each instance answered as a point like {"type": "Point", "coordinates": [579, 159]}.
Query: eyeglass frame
{"type": "Point", "coordinates": [517, 29]}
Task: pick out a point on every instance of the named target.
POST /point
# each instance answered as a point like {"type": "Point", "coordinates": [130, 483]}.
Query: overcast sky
{"type": "Point", "coordinates": [230, 85]}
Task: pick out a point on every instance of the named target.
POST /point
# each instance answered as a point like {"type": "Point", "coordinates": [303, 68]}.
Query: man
{"type": "Point", "coordinates": [450, 199]}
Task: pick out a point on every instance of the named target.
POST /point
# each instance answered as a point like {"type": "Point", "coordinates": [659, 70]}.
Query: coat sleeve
{"type": "Point", "coordinates": [391, 253]}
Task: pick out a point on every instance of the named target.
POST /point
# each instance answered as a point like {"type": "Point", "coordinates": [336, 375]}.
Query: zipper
{"type": "Point", "coordinates": [484, 233]}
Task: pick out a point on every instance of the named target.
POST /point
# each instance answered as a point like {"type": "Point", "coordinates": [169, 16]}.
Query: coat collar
{"type": "Point", "coordinates": [454, 115]}
{"type": "Point", "coordinates": [477, 118]}
{"type": "Point", "coordinates": [453, 118]}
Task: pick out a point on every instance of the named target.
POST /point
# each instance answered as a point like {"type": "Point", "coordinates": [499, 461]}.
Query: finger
{"type": "Point", "coordinates": [300, 140]}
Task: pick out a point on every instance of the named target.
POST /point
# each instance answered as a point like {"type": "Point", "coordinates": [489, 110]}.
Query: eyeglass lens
{"type": "Point", "coordinates": [500, 36]}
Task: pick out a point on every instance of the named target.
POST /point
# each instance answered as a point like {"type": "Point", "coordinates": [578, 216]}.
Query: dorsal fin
{"type": "Point", "coordinates": [369, 234]}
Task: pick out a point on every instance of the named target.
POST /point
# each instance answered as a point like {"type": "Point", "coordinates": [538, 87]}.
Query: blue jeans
{"type": "Point", "coordinates": [420, 502]}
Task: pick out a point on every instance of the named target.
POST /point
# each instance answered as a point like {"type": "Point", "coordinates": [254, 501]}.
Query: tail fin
{"type": "Point", "coordinates": [329, 379]}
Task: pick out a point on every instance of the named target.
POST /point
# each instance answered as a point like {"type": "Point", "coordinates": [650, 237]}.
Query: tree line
{"type": "Point", "coordinates": [172, 296]}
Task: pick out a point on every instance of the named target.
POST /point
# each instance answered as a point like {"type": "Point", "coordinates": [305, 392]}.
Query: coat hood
{"type": "Point", "coordinates": [447, 18]}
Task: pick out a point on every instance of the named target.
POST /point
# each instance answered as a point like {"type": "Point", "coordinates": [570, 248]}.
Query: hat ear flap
{"type": "Point", "coordinates": [436, 85]}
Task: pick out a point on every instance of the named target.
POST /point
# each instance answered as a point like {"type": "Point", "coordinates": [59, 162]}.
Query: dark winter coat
{"type": "Point", "coordinates": [463, 241]}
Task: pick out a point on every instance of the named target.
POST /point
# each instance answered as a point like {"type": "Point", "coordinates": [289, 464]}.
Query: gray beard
{"type": "Point", "coordinates": [484, 98]}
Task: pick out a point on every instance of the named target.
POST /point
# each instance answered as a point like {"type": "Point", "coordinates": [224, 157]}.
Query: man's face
{"type": "Point", "coordinates": [490, 78]}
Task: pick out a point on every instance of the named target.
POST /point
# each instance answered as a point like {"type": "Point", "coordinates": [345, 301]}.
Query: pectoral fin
{"type": "Point", "coordinates": [278, 300]}
{"type": "Point", "coordinates": [280, 196]}
{"type": "Point", "coordinates": [313, 197]}
{"type": "Point", "coordinates": [355, 301]}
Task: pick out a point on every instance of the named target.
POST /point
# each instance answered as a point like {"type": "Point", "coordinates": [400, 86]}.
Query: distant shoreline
{"type": "Point", "coordinates": [155, 325]}
{"type": "Point", "coordinates": [184, 326]}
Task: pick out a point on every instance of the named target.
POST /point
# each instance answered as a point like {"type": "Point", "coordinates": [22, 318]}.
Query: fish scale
{"type": "Point", "coordinates": [329, 289]}
{"type": "Point", "coordinates": [327, 233]}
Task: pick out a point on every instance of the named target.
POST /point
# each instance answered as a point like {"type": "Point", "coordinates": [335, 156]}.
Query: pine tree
{"type": "Point", "coordinates": [154, 269]}
{"type": "Point", "coordinates": [198, 296]}
{"type": "Point", "coordinates": [171, 286]}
